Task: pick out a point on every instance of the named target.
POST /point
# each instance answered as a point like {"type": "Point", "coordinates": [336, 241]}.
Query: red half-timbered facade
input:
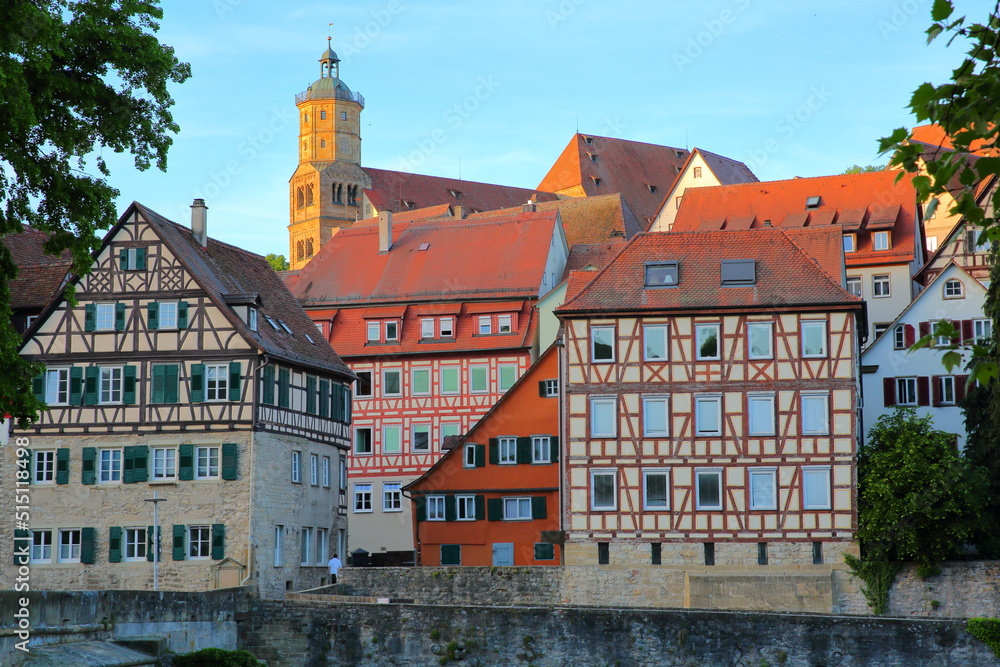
{"type": "Point", "coordinates": [711, 384]}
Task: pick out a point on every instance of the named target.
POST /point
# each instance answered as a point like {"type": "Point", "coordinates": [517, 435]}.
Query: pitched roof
{"type": "Point", "coordinates": [641, 172]}
{"type": "Point", "coordinates": [40, 276]}
{"type": "Point", "coordinates": [852, 201]}
{"type": "Point", "coordinates": [934, 135]}
{"type": "Point", "coordinates": [596, 255]}
{"type": "Point", "coordinates": [727, 170]}
{"type": "Point", "coordinates": [600, 219]}
{"type": "Point", "coordinates": [496, 257]}
{"type": "Point", "coordinates": [785, 275]}
{"type": "Point", "coordinates": [390, 189]}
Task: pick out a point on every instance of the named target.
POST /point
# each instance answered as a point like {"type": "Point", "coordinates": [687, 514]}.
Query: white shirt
{"type": "Point", "coordinates": [334, 565]}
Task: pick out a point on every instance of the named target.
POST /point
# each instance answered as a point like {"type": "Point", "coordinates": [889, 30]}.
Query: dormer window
{"type": "Point", "coordinates": [813, 203]}
{"type": "Point", "coordinates": [409, 204]}
{"type": "Point", "coordinates": [504, 324]}
{"type": "Point", "coordinates": [447, 327]}
{"type": "Point", "coordinates": [661, 274]}
{"type": "Point", "coordinates": [374, 332]}
{"type": "Point", "coordinates": [455, 193]}
{"type": "Point", "coordinates": [850, 242]}
{"type": "Point", "coordinates": [485, 325]}
{"type": "Point", "coordinates": [597, 181]}
{"type": "Point", "coordinates": [252, 318]}
{"type": "Point", "coordinates": [592, 156]}
{"type": "Point", "coordinates": [739, 272]}
{"type": "Point", "coordinates": [427, 327]}
{"type": "Point", "coordinates": [391, 330]}
{"type": "Point", "coordinates": [880, 241]}
{"type": "Point", "coordinates": [589, 141]}
{"type": "Point", "coordinates": [651, 188]}
{"type": "Point", "coordinates": [678, 153]}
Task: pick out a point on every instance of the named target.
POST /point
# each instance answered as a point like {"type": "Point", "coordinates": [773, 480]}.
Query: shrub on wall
{"type": "Point", "coordinates": [217, 657]}
{"type": "Point", "coordinates": [986, 630]}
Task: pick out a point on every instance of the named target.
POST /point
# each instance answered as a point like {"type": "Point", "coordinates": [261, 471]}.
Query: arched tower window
{"type": "Point", "coordinates": [352, 195]}
{"type": "Point", "coordinates": [309, 247]}
{"type": "Point", "coordinates": [300, 250]}
{"type": "Point", "coordinates": [300, 197]}
{"type": "Point", "coordinates": [309, 194]}
{"type": "Point", "coordinates": [322, 143]}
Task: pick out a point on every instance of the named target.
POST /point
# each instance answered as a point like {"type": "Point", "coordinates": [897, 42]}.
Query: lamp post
{"type": "Point", "coordinates": [156, 500]}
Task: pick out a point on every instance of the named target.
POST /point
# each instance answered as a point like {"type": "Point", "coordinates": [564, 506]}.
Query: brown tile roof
{"type": "Point", "coordinates": [850, 201]}
{"type": "Point", "coordinates": [727, 170]}
{"type": "Point", "coordinates": [597, 255]}
{"type": "Point", "coordinates": [390, 189]}
{"type": "Point", "coordinates": [501, 257]}
{"type": "Point", "coordinates": [592, 165]}
{"type": "Point", "coordinates": [40, 276]}
{"type": "Point", "coordinates": [785, 275]}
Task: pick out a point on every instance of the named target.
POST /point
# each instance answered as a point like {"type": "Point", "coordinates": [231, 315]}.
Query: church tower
{"type": "Point", "coordinates": [325, 192]}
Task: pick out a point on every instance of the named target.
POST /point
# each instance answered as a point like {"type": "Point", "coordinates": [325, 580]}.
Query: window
{"type": "Point", "coordinates": [449, 429]}
{"type": "Point", "coordinates": [759, 340]}
{"type": "Point", "coordinates": [813, 339]}
{"type": "Point", "coordinates": [391, 331]}
{"type": "Point", "coordinates": [199, 541]}
{"type": "Point", "coordinates": [447, 327]}
{"type": "Point", "coordinates": [164, 463]}
{"type": "Point", "coordinates": [374, 330]}
{"type": "Point", "coordinates": [602, 344]}
{"type": "Point", "coordinates": [391, 385]}
{"type": "Point", "coordinates": [654, 416]}
{"type": "Point", "coordinates": [850, 242]}
{"type": "Point", "coordinates": [655, 487]}
{"type": "Point", "coordinates": [932, 243]}
{"type": "Point", "coordinates": [322, 546]}
{"type": "Point", "coordinates": [760, 409]}
{"type": "Point", "coordinates": [906, 391]}
{"type": "Point", "coordinates": [655, 553]}
{"type": "Point", "coordinates": [516, 509]}
{"type": "Point", "coordinates": [479, 379]}
{"type": "Point", "coordinates": [738, 272]}
{"type": "Point", "coordinates": [815, 414]}
{"type": "Point", "coordinates": [362, 497]}
{"type": "Point", "coordinates": [899, 337]}
{"type": "Point", "coordinates": [541, 449]}
{"type": "Point", "coordinates": [111, 385]}
{"type": "Point", "coordinates": [880, 286]}
{"type": "Point", "coordinates": [465, 508]}
{"type": "Point", "coordinates": [167, 315]}
{"type": "Point", "coordinates": [421, 438]}
{"type": "Point", "coordinates": [508, 376]}
{"type": "Point", "coordinates": [57, 386]}
{"type": "Point", "coordinates": [603, 553]}
{"type": "Point", "coordinates": [420, 384]}
{"type": "Point", "coordinates": [252, 320]}
{"type": "Point", "coordinates": [363, 440]}
{"type": "Point", "coordinates": [485, 325]}
{"type": "Point", "coordinates": [549, 388]}
{"type": "Point", "coordinates": [708, 415]}
{"type": "Point", "coordinates": [654, 342]}
{"type": "Point", "coordinates": [427, 327]}
{"type": "Point", "coordinates": [709, 489]}
{"type": "Point", "coordinates": [435, 508]}
{"type": "Point", "coordinates": [946, 389]}
{"type": "Point", "coordinates": [363, 387]}
{"type": "Point", "coordinates": [504, 324]}
{"type": "Point", "coordinates": [69, 546]}
{"type": "Point", "coordinates": [392, 497]}
{"type": "Point", "coordinates": [217, 382]}
{"type": "Point", "coordinates": [305, 545]}
{"type": "Point", "coordinates": [135, 544]}
{"type": "Point", "coordinates": [663, 274]}
{"type": "Point", "coordinates": [41, 546]}
{"type": "Point", "coordinates": [953, 289]}
{"type": "Point", "coordinates": [469, 456]}
{"type": "Point", "coordinates": [392, 439]}
{"type": "Point", "coordinates": [816, 488]}
{"type": "Point", "coordinates": [449, 379]}
{"type": "Point", "coordinates": [206, 463]}
{"type": "Point", "coordinates": [326, 471]}
{"type": "Point", "coordinates": [279, 546]}
{"type": "Point", "coordinates": [880, 241]}
{"type": "Point", "coordinates": [879, 328]}
{"type": "Point", "coordinates": [603, 415]}
{"type": "Point", "coordinates": [133, 259]}
{"type": "Point", "coordinates": [314, 469]}
{"type": "Point", "coordinates": [697, 172]}
{"type": "Point", "coordinates": [709, 548]}
{"type": "Point", "coordinates": [763, 489]}
{"type": "Point", "coordinates": [297, 467]}
{"type": "Point", "coordinates": [507, 450]}
{"type": "Point", "coordinates": [707, 339]}
{"type": "Point", "coordinates": [854, 285]}
{"type": "Point", "coordinates": [109, 465]}
{"type": "Point", "coordinates": [602, 490]}
{"type": "Point", "coordinates": [105, 316]}
{"type": "Point", "coordinates": [982, 331]}
{"type": "Point", "coordinates": [45, 466]}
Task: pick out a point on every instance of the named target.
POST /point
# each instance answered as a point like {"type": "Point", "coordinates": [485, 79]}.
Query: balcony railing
{"type": "Point", "coordinates": [337, 93]}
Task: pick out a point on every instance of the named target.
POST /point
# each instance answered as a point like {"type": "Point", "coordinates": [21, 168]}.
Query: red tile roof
{"type": "Point", "coordinates": [391, 188]}
{"type": "Point", "coordinates": [596, 255]}
{"type": "Point", "coordinates": [855, 200]}
{"type": "Point", "coordinates": [934, 135]}
{"type": "Point", "coordinates": [499, 257]}
{"type": "Point", "coordinates": [40, 276]}
{"type": "Point", "coordinates": [785, 275]}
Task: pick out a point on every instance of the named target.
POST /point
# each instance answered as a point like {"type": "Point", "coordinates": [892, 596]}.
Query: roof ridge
{"type": "Point", "coordinates": [606, 266]}
{"type": "Point", "coordinates": [812, 259]}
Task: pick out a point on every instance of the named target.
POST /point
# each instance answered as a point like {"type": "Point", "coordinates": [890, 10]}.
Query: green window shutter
{"type": "Point", "coordinates": [140, 259]}
{"type": "Point", "coordinates": [324, 397]}
{"type": "Point", "coordinates": [450, 508]}
{"type": "Point", "coordinates": [128, 386]}
{"type": "Point", "coordinates": [480, 456]}
{"type": "Point", "coordinates": [554, 448]}
{"type": "Point", "coordinates": [420, 503]}
{"type": "Point", "coordinates": [22, 546]}
{"type": "Point", "coordinates": [182, 315]}
{"type": "Point", "coordinates": [451, 554]}
{"type": "Point", "coordinates": [159, 383]}
{"type": "Point", "coordinates": [128, 462]}
{"type": "Point", "coordinates": [123, 259]}
{"type": "Point", "coordinates": [524, 450]}
{"type": "Point", "coordinates": [171, 386]}
{"type": "Point", "coordinates": [494, 451]}
{"type": "Point", "coordinates": [480, 508]}
{"type": "Point", "coordinates": [119, 317]}
{"type": "Point", "coordinates": [541, 388]}
{"type": "Point", "coordinates": [90, 317]}
{"type": "Point", "coordinates": [494, 509]}
{"type": "Point", "coordinates": [218, 541]}
{"type": "Point", "coordinates": [229, 463]}
{"type": "Point", "coordinates": [76, 385]}
{"type": "Point", "coordinates": [544, 551]}
{"type": "Point", "coordinates": [185, 463]}
{"type": "Point", "coordinates": [114, 544]}
{"type": "Point", "coordinates": [90, 385]}
{"type": "Point", "coordinates": [311, 394]}
{"type": "Point", "coordinates": [153, 315]}
{"type": "Point", "coordinates": [284, 380]}
{"type": "Point", "coordinates": [62, 465]}
{"type": "Point", "coordinates": [88, 538]}
{"type": "Point", "coordinates": [336, 402]}
{"type": "Point", "coordinates": [235, 375]}
{"type": "Point", "coordinates": [140, 463]}
{"type": "Point", "coordinates": [38, 388]}
{"type": "Point", "coordinates": [89, 470]}
{"type": "Point", "coordinates": [197, 391]}
{"type": "Point", "coordinates": [180, 537]}
{"type": "Point", "coordinates": [538, 507]}
{"type": "Point", "coordinates": [348, 404]}
{"type": "Point", "coordinates": [267, 393]}
{"type": "Point", "coordinates": [149, 543]}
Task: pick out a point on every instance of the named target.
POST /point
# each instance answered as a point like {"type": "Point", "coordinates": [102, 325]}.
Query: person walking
{"type": "Point", "coordinates": [335, 566]}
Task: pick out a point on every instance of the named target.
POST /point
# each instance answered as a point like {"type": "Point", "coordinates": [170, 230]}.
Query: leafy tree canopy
{"type": "Point", "coordinates": [858, 169]}
{"type": "Point", "coordinates": [277, 262]}
{"type": "Point", "coordinates": [76, 77]}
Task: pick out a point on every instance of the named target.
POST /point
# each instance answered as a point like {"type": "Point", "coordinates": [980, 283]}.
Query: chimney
{"type": "Point", "coordinates": [528, 206]}
{"type": "Point", "coordinates": [199, 222]}
{"type": "Point", "coordinates": [384, 231]}
{"type": "Point", "coordinates": [459, 212]}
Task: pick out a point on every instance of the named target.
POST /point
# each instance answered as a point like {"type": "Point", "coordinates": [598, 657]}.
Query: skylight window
{"type": "Point", "coordinates": [310, 339]}
{"type": "Point", "coordinates": [597, 181]}
{"type": "Point", "coordinates": [813, 202]}
{"type": "Point", "coordinates": [284, 326]}
{"type": "Point", "coordinates": [661, 274]}
{"type": "Point", "coordinates": [592, 156]}
{"type": "Point", "coordinates": [652, 188]}
{"type": "Point", "coordinates": [270, 320]}
{"type": "Point", "coordinates": [738, 272]}
{"type": "Point", "coordinates": [589, 140]}
{"type": "Point", "coordinates": [423, 247]}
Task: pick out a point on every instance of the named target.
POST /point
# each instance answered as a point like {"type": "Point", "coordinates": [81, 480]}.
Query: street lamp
{"type": "Point", "coordinates": [156, 500]}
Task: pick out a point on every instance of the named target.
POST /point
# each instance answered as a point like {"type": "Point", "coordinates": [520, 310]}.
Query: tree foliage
{"type": "Point", "coordinates": [868, 168]}
{"type": "Point", "coordinates": [277, 262]}
{"type": "Point", "coordinates": [76, 77]}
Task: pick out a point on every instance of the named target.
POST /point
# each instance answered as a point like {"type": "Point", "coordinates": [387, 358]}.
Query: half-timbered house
{"type": "Point", "coordinates": [185, 371]}
{"type": "Point", "coordinates": [710, 386]}
{"type": "Point", "coordinates": [437, 318]}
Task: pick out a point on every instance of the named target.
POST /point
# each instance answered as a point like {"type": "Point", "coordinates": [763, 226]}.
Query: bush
{"type": "Point", "coordinates": [217, 657]}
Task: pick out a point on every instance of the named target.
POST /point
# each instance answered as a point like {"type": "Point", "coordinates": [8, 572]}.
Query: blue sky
{"type": "Point", "coordinates": [493, 91]}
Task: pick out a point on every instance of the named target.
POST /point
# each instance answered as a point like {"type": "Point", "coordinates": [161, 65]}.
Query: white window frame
{"type": "Point", "coordinates": [397, 429]}
{"type": "Point", "coordinates": [551, 388]}
{"type": "Point", "coordinates": [982, 331]}
{"type": "Point", "coordinates": [57, 386]}
{"type": "Point", "coordinates": [314, 469]}
{"type": "Point", "coordinates": [514, 508]}
{"type": "Point", "coordinates": [769, 473]}
{"type": "Point", "coordinates": [165, 321]}
{"type": "Point", "coordinates": [279, 545]}
{"type": "Point", "coordinates": [711, 402]}
{"type": "Point", "coordinates": [373, 332]}
{"type": "Point", "coordinates": [599, 405]}
{"type": "Point", "coordinates": [465, 508]}
{"type": "Point", "coordinates": [649, 404]}
{"type": "Point", "coordinates": [111, 385]}
{"type": "Point", "coordinates": [768, 328]}
{"type": "Point", "coordinates": [484, 325]}
{"type": "Point", "coordinates": [75, 547]}
{"type": "Point", "coordinates": [43, 466]}
{"type": "Point", "coordinates": [420, 428]}
{"type": "Point", "coordinates": [812, 475]}
{"type": "Point", "coordinates": [217, 387]}
{"type": "Point", "coordinates": [717, 473]}
{"type": "Point", "coordinates": [881, 286]}
{"type": "Point", "coordinates": [435, 508]}
{"type": "Point", "coordinates": [899, 337]}
{"type": "Point", "coordinates": [658, 333]}
{"type": "Point", "coordinates": [207, 462]}
{"type": "Point", "coordinates": [485, 370]}
{"type": "Point", "coordinates": [392, 497]}
{"type": "Point", "coordinates": [946, 389]}
{"type": "Point", "coordinates": [613, 505]}
{"type": "Point", "coordinates": [104, 316]}
{"type": "Point", "coordinates": [952, 293]}
{"type": "Point", "coordinates": [391, 331]}
{"type": "Point", "coordinates": [113, 469]}
{"type": "Point", "coordinates": [199, 536]}
{"type": "Point", "coordinates": [646, 475]}
{"type": "Point", "coordinates": [296, 466]}
{"type": "Point", "coordinates": [371, 441]}
{"type": "Point", "coordinates": [506, 376]}
{"type": "Point", "coordinates": [371, 385]}
{"type": "Point", "coordinates": [426, 373]}
{"type": "Point", "coordinates": [427, 328]}
{"type": "Point", "coordinates": [447, 325]}
{"type": "Point", "coordinates": [163, 464]}
{"type": "Point", "coordinates": [881, 241]}
{"type": "Point", "coordinates": [823, 400]}
{"type": "Point", "coordinates": [506, 450]}
{"type": "Point", "coordinates": [760, 425]}
{"type": "Point", "coordinates": [541, 449]}
{"type": "Point", "coordinates": [455, 373]}
{"type": "Point", "coordinates": [708, 328]}
{"type": "Point", "coordinates": [600, 330]}
{"type": "Point", "coordinates": [850, 243]}
{"type": "Point", "coordinates": [450, 428]}
{"type": "Point", "coordinates": [42, 548]}
{"type": "Point", "coordinates": [469, 455]}
{"type": "Point", "coordinates": [809, 325]}
{"type": "Point", "coordinates": [327, 472]}
{"type": "Point", "coordinates": [363, 498]}
{"type": "Point", "coordinates": [134, 541]}
{"type": "Point", "coordinates": [399, 381]}
{"type": "Point", "coordinates": [505, 324]}
{"type": "Point", "coordinates": [305, 545]}
{"type": "Point", "coordinates": [855, 281]}
{"type": "Point", "coordinates": [322, 546]}
{"type": "Point", "coordinates": [906, 388]}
